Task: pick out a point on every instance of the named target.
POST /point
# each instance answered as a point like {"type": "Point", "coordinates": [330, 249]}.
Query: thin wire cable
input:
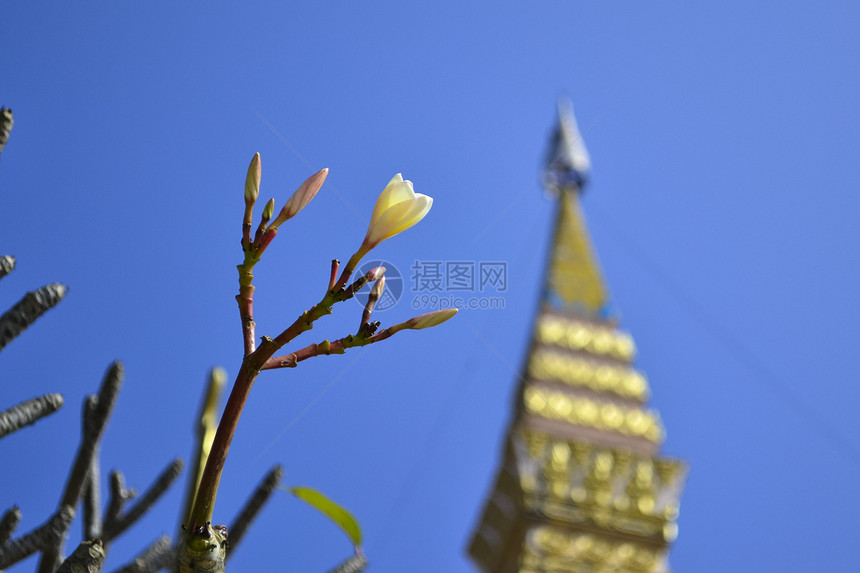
{"type": "Point", "coordinates": [311, 404]}
{"type": "Point", "coordinates": [446, 412]}
{"type": "Point", "coordinates": [531, 184]}
{"type": "Point", "coordinates": [308, 163]}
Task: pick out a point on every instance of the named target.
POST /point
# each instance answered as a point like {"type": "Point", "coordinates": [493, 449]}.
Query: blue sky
{"type": "Point", "coordinates": [723, 206]}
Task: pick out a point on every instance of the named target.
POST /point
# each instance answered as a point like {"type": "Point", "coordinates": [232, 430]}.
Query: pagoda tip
{"type": "Point", "coordinates": [568, 163]}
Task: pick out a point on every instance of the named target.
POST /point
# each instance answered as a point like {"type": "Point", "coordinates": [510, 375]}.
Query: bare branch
{"type": "Point", "coordinates": [7, 265]}
{"type": "Point", "coordinates": [354, 564]}
{"type": "Point", "coordinates": [27, 310]}
{"type": "Point", "coordinates": [91, 499]}
{"type": "Point", "coordinates": [28, 412]}
{"type": "Point", "coordinates": [8, 524]}
{"type": "Point", "coordinates": [88, 557]}
{"type": "Point", "coordinates": [83, 460]}
{"type": "Point", "coordinates": [6, 123]}
{"type": "Point", "coordinates": [154, 558]}
{"type": "Point", "coordinates": [118, 496]}
{"type": "Point", "coordinates": [253, 506]}
{"type": "Point", "coordinates": [113, 527]}
{"type": "Point", "coordinates": [40, 538]}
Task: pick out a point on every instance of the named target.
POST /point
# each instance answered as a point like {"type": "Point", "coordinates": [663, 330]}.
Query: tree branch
{"type": "Point", "coordinates": [6, 123]}
{"type": "Point", "coordinates": [44, 536]}
{"type": "Point", "coordinates": [253, 506]}
{"type": "Point", "coordinates": [28, 412]}
{"type": "Point", "coordinates": [91, 498]}
{"type": "Point", "coordinates": [27, 310]}
{"type": "Point", "coordinates": [83, 461]}
{"type": "Point", "coordinates": [117, 525]}
{"type": "Point", "coordinates": [8, 524]}
{"type": "Point", "coordinates": [118, 496]}
{"type": "Point", "coordinates": [7, 265]}
{"type": "Point", "coordinates": [324, 348]}
{"type": "Point", "coordinates": [354, 564]}
{"type": "Point", "coordinates": [88, 557]}
{"type": "Point", "coordinates": [203, 550]}
{"type": "Point", "coordinates": [154, 558]}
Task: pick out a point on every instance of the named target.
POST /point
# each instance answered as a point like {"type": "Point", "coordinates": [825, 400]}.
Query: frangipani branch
{"type": "Point", "coordinates": [265, 233]}
{"type": "Point", "coordinates": [356, 340]}
{"type": "Point", "coordinates": [306, 321]}
{"type": "Point", "coordinates": [323, 348]}
{"type": "Point", "coordinates": [397, 209]}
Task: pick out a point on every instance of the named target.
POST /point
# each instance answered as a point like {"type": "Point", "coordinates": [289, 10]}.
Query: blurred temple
{"type": "Point", "coordinates": [582, 486]}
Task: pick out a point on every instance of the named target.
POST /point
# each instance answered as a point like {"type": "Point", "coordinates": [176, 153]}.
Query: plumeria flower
{"type": "Point", "coordinates": [398, 208]}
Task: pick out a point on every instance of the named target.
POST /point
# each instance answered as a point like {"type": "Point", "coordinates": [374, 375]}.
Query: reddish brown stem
{"type": "Point", "coordinates": [337, 347]}
{"type": "Point", "coordinates": [245, 299]}
{"type": "Point", "coordinates": [267, 237]}
{"type": "Point", "coordinates": [205, 499]}
{"type": "Point", "coordinates": [246, 235]}
{"type": "Point", "coordinates": [335, 264]}
{"type": "Point", "coordinates": [306, 321]}
{"type": "Point", "coordinates": [348, 270]}
{"type": "Point", "coordinates": [206, 492]}
{"type": "Point", "coordinates": [253, 362]}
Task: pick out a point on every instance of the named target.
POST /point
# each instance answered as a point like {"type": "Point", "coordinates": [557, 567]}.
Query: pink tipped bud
{"type": "Point", "coordinates": [301, 197]}
{"type": "Point", "coordinates": [374, 274]}
{"type": "Point", "coordinates": [374, 295]}
{"type": "Point", "coordinates": [377, 289]}
{"type": "Point", "coordinates": [252, 180]}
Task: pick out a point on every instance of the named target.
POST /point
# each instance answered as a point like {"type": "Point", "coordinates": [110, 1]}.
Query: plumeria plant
{"type": "Point", "coordinates": [203, 546]}
{"type": "Point", "coordinates": [199, 546]}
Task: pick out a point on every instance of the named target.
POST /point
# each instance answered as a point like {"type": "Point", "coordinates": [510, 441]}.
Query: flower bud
{"type": "Point", "coordinates": [377, 289]}
{"type": "Point", "coordinates": [426, 320]}
{"type": "Point", "coordinates": [268, 211]}
{"type": "Point", "coordinates": [397, 208]}
{"type": "Point", "coordinates": [374, 274]}
{"type": "Point", "coordinates": [301, 197]}
{"type": "Point", "coordinates": [252, 180]}
{"type": "Point", "coordinates": [374, 295]}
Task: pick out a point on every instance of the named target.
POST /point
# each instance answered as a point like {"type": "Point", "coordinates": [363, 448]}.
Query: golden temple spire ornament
{"type": "Point", "coordinates": [582, 485]}
{"type": "Point", "coordinates": [568, 164]}
{"type": "Point", "coordinates": [574, 279]}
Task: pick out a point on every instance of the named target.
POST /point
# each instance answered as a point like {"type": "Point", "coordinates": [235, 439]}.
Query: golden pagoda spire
{"type": "Point", "coordinates": [573, 279]}
{"type": "Point", "coordinates": [582, 486]}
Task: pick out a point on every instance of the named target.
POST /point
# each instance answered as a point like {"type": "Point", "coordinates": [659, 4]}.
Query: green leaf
{"type": "Point", "coordinates": [341, 517]}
